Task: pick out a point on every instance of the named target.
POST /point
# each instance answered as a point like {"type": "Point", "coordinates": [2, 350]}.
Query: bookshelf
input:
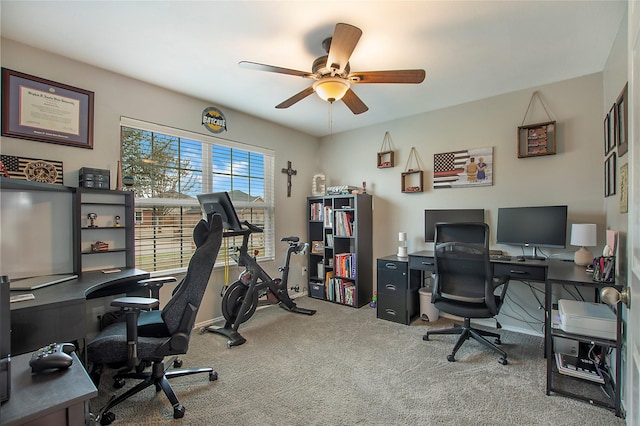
{"type": "Point", "coordinates": [341, 260]}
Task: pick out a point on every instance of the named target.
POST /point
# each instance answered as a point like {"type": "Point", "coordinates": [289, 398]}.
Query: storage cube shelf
{"type": "Point", "coordinates": [341, 269]}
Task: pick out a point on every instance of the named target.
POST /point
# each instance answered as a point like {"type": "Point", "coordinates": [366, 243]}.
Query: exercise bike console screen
{"type": "Point", "coordinates": [220, 203]}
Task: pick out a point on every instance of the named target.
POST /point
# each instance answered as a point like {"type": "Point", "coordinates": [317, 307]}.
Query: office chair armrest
{"type": "Point", "coordinates": [136, 303]}
{"type": "Point", "coordinates": [155, 284]}
{"type": "Point", "coordinates": [132, 307]}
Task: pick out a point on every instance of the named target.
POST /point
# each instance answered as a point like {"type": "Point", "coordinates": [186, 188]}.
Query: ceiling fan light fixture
{"type": "Point", "coordinates": [331, 89]}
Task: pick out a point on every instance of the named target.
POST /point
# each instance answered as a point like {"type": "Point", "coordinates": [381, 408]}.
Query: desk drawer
{"type": "Point", "coordinates": [422, 263]}
{"type": "Point", "coordinates": [392, 277]}
{"type": "Point", "coordinates": [520, 272]}
{"type": "Point", "coordinates": [401, 309]}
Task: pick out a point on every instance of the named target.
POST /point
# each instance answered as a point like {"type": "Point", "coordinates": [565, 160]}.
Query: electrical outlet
{"type": "Point", "coordinates": [304, 271]}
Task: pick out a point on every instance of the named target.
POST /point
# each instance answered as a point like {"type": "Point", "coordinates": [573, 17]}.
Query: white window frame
{"type": "Point", "coordinates": [268, 203]}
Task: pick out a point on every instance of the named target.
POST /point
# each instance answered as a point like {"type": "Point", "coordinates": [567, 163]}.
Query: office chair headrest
{"type": "Point", "coordinates": [201, 232]}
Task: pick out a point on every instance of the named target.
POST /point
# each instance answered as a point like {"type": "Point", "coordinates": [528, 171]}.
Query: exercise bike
{"type": "Point", "coordinates": [240, 299]}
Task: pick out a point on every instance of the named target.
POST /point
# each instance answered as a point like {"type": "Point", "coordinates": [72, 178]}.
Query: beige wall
{"type": "Point", "coordinates": [574, 176]}
{"type": "Point", "coordinates": [116, 96]}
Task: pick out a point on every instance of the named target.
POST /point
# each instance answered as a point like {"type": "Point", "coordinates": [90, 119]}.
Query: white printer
{"type": "Point", "coordinates": [587, 319]}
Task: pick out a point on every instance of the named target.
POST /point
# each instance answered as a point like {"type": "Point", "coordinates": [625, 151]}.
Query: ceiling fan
{"type": "Point", "coordinates": [332, 72]}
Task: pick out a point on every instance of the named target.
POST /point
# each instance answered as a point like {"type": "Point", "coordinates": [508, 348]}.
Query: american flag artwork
{"type": "Point", "coordinates": [15, 167]}
{"type": "Point", "coordinates": [464, 168]}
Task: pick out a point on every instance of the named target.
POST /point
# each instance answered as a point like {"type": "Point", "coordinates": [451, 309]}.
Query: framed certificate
{"type": "Point", "coordinates": [42, 110]}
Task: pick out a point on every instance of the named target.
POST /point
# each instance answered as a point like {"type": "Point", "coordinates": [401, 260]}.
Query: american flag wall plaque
{"type": "Point", "coordinates": [469, 167]}
{"type": "Point", "coordinates": [32, 169]}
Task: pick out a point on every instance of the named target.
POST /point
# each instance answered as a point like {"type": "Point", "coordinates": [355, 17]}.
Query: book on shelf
{"type": "Point", "coordinates": [329, 240]}
{"type": "Point", "coordinates": [580, 368]}
{"type": "Point", "coordinates": [345, 265]}
{"type": "Point", "coordinates": [328, 217]}
{"type": "Point", "coordinates": [317, 211]}
{"type": "Point", "coordinates": [344, 224]}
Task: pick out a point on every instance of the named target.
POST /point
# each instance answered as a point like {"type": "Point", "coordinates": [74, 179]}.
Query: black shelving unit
{"type": "Point", "coordinates": [118, 234]}
{"type": "Point", "coordinates": [605, 394]}
{"type": "Point", "coordinates": [340, 267]}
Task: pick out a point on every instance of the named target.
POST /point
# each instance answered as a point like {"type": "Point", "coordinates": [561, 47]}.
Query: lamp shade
{"type": "Point", "coordinates": [583, 234]}
{"type": "Point", "coordinates": [331, 89]}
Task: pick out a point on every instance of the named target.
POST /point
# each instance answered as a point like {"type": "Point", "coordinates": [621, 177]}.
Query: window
{"type": "Point", "coordinates": [168, 168]}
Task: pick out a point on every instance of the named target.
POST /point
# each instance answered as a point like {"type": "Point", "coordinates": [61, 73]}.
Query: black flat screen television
{"type": "Point", "coordinates": [433, 216]}
{"type": "Point", "coordinates": [542, 226]}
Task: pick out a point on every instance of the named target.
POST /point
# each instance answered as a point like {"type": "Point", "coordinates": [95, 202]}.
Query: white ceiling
{"type": "Point", "coordinates": [469, 49]}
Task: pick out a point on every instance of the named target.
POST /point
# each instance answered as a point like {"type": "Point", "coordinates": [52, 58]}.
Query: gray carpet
{"type": "Point", "coordinates": [343, 366]}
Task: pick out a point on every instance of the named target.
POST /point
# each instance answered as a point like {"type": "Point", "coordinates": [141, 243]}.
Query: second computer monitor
{"type": "Point", "coordinates": [433, 216]}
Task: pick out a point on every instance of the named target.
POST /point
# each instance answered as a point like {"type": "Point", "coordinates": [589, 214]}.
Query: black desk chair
{"type": "Point", "coordinates": [149, 335]}
{"type": "Point", "coordinates": [464, 283]}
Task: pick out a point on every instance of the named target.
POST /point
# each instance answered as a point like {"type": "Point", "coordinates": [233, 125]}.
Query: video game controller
{"type": "Point", "coordinates": [53, 356]}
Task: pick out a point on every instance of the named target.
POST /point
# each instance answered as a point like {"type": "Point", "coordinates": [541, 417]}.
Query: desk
{"type": "Point", "coordinates": [51, 398]}
{"type": "Point", "coordinates": [58, 312]}
{"type": "Point", "coordinates": [529, 270]}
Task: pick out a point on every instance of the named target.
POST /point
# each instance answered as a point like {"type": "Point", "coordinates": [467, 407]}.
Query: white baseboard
{"type": "Point", "coordinates": [212, 321]}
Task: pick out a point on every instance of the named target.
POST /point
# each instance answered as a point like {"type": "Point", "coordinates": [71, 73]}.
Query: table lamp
{"type": "Point", "coordinates": [583, 235]}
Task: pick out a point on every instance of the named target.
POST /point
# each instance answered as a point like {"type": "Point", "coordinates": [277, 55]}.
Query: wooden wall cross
{"type": "Point", "coordinates": [290, 172]}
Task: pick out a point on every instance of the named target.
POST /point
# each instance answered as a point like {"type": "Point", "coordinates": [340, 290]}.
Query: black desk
{"type": "Point", "coordinates": [529, 270]}
{"type": "Point", "coordinates": [51, 398]}
{"type": "Point", "coordinates": [58, 313]}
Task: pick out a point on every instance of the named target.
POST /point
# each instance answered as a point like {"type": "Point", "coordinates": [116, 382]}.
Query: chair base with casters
{"type": "Point", "coordinates": [466, 332]}
{"type": "Point", "coordinates": [158, 376]}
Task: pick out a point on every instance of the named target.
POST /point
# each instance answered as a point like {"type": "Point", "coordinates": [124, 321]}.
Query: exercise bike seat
{"type": "Point", "coordinates": [290, 239]}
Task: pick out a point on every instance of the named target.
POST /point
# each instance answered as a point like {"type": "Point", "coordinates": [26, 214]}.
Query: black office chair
{"type": "Point", "coordinates": [464, 283]}
{"type": "Point", "coordinates": [149, 335]}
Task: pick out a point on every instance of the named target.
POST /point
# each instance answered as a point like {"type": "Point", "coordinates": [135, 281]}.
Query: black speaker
{"type": "Point", "coordinates": [5, 340]}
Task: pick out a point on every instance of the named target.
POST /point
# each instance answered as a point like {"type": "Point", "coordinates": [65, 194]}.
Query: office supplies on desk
{"type": "Point", "coordinates": [34, 283]}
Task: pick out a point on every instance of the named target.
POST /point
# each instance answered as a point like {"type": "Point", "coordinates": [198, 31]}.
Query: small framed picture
{"type": "Point", "coordinates": [621, 127]}
{"type": "Point", "coordinates": [537, 139]}
{"type": "Point", "coordinates": [609, 137]}
{"type": "Point", "coordinates": [610, 175]}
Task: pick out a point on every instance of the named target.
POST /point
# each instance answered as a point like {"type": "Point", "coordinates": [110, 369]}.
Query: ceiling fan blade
{"type": "Point", "coordinates": [271, 68]}
{"type": "Point", "coordinates": [295, 98]}
{"type": "Point", "coordinates": [344, 40]}
{"type": "Point", "coordinates": [354, 103]}
{"type": "Point", "coordinates": [398, 76]}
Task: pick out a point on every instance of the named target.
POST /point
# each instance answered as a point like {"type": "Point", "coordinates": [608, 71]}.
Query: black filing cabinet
{"type": "Point", "coordinates": [398, 301]}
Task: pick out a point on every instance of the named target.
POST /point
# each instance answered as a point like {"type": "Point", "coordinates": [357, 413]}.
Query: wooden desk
{"type": "Point", "coordinates": [568, 273]}
{"type": "Point", "coordinates": [49, 398]}
{"type": "Point", "coordinates": [58, 313]}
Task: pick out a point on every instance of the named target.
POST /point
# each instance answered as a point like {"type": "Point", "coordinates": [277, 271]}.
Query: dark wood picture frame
{"type": "Point", "coordinates": [609, 136]}
{"type": "Point", "coordinates": [45, 111]}
{"type": "Point", "coordinates": [621, 122]}
{"type": "Point", "coordinates": [535, 140]}
{"type": "Point", "coordinates": [610, 171]}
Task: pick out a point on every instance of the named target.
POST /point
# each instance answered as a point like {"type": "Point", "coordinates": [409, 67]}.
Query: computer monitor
{"type": "Point", "coordinates": [542, 226]}
{"type": "Point", "coordinates": [220, 202]}
{"type": "Point", "coordinates": [433, 216]}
